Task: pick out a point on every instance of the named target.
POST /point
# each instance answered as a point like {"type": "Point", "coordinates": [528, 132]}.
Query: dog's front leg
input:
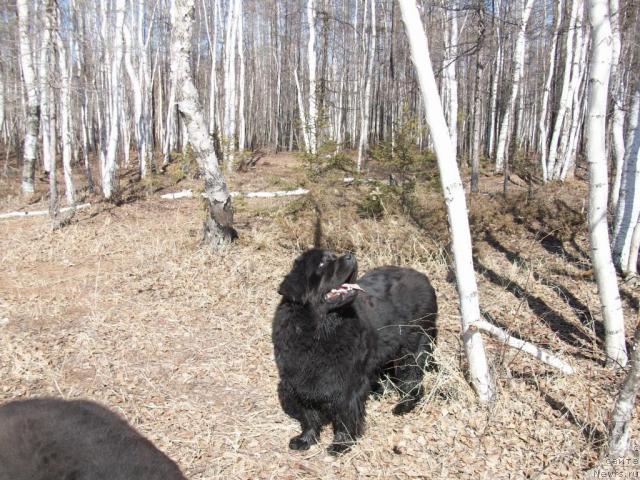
{"type": "Point", "coordinates": [311, 423]}
{"type": "Point", "coordinates": [348, 425]}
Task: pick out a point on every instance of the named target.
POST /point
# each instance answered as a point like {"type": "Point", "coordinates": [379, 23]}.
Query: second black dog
{"type": "Point", "coordinates": [334, 339]}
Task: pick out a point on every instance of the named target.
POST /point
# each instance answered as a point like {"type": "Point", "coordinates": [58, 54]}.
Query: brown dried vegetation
{"type": "Point", "coordinates": [124, 307]}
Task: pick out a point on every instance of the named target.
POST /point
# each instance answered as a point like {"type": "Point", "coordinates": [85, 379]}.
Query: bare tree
{"type": "Point", "coordinates": [620, 421]}
{"type": "Point", "coordinates": [218, 226]}
{"type": "Point", "coordinates": [455, 201]}
{"type": "Point", "coordinates": [33, 102]}
{"type": "Point", "coordinates": [600, 65]}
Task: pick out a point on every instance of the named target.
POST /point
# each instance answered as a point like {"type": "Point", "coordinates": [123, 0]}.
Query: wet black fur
{"type": "Point", "coordinates": [331, 355]}
{"type": "Point", "coordinates": [52, 439]}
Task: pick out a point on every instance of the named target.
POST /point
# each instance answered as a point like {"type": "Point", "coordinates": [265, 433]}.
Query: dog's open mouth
{"type": "Point", "coordinates": [340, 292]}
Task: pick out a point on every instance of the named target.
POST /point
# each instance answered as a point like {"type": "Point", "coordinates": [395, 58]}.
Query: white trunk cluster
{"type": "Point", "coordinates": [518, 63]}
{"type": "Point", "coordinates": [543, 123]}
{"type": "Point", "coordinates": [606, 279]}
{"type": "Point", "coordinates": [365, 111]}
{"type": "Point", "coordinates": [108, 164]}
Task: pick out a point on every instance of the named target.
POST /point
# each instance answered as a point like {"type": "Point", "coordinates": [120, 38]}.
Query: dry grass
{"type": "Point", "coordinates": [124, 307]}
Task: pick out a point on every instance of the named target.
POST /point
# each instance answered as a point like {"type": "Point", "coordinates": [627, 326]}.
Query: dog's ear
{"type": "Point", "coordinates": [291, 288]}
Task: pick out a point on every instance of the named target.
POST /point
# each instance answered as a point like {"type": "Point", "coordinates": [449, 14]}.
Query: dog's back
{"type": "Point", "coordinates": [397, 296]}
{"type": "Point", "coordinates": [52, 439]}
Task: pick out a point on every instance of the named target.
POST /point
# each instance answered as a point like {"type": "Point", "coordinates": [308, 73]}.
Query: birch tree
{"type": "Point", "coordinates": [620, 420]}
{"type": "Point", "coordinates": [617, 124]}
{"type": "Point", "coordinates": [365, 109]}
{"type": "Point", "coordinates": [544, 109]}
{"type": "Point", "coordinates": [600, 65]}
{"type": "Point", "coordinates": [108, 165]}
{"type": "Point", "coordinates": [33, 102]}
{"type": "Point", "coordinates": [311, 59]}
{"type": "Point", "coordinates": [455, 201]}
{"type": "Point", "coordinates": [518, 59]}
{"type": "Point", "coordinates": [218, 228]}
{"type": "Point", "coordinates": [628, 207]}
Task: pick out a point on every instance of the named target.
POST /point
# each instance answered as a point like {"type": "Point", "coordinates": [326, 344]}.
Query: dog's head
{"type": "Point", "coordinates": [321, 278]}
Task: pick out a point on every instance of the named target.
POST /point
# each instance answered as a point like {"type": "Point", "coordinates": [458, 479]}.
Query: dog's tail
{"type": "Point", "coordinates": [317, 234]}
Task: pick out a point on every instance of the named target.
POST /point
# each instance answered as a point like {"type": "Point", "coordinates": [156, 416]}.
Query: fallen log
{"type": "Point", "coordinates": [522, 345]}
{"type": "Point", "coordinates": [35, 213]}
{"type": "Point", "coordinates": [282, 193]}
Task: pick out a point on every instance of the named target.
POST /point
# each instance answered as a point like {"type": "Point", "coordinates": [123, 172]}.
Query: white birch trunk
{"type": "Point", "coordinates": [620, 422]}
{"type": "Point", "coordinates": [311, 58]}
{"type": "Point", "coordinates": [241, 123]}
{"type": "Point", "coordinates": [606, 279]}
{"type": "Point", "coordinates": [218, 228]}
{"type": "Point", "coordinates": [455, 201]}
{"type": "Point", "coordinates": [617, 124]}
{"type": "Point", "coordinates": [230, 83]}
{"type": "Point", "coordinates": [629, 204]}
{"type": "Point", "coordinates": [65, 116]}
{"type": "Point", "coordinates": [576, 5]}
{"type": "Point", "coordinates": [303, 118]}
{"type": "Point", "coordinates": [108, 171]}
{"type": "Point", "coordinates": [494, 84]}
{"type": "Point", "coordinates": [213, 80]}
{"type": "Point", "coordinates": [578, 108]}
{"type": "Point", "coordinates": [145, 125]}
{"type": "Point", "coordinates": [33, 105]}
{"type": "Point", "coordinates": [136, 86]}
{"type": "Point", "coordinates": [365, 110]}
{"type": "Point", "coordinates": [43, 73]}
{"type": "Point", "coordinates": [450, 79]}
{"type": "Point", "coordinates": [518, 59]}
{"type": "Point", "coordinates": [544, 110]}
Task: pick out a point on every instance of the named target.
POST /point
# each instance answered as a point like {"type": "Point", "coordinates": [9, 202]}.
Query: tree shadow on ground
{"type": "Point", "coordinates": [566, 331]}
{"type": "Point", "coordinates": [580, 353]}
{"type": "Point", "coordinates": [582, 311]}
{"type": "Point", "coordinates": [590, 432]}
{"type": "Point", "coordinates": [555, 246]}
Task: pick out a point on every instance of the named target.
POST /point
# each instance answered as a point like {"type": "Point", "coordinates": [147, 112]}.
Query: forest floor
{"type": "Point", "coordinates": [125, 307]}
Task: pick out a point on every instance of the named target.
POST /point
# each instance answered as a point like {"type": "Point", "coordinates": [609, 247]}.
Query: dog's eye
{"type": "Point", "coordinates": [322, 264]}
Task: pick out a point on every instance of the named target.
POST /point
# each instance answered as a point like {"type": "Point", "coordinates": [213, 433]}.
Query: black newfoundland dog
{"type": "Point", "coordinates": [49, 438]}
{"type": "Point", "coordinates": [335, 338]}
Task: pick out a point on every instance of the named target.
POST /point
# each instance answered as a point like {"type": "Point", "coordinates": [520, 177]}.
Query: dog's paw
{"type": "Point", "coordinates": [300, 442]}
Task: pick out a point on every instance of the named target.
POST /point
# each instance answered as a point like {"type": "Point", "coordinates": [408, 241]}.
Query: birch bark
{"type": "Point", "coordinates": [628, 209]}
{"type": "Point", "coordinates": [218, 228]}
{"type": "Point", "coordinates": [33, 102]}
{"type": "Point", "coordinates": [365, 110]}
{"type": "Point", "coordinates": [606, 279]}
{"type": "Point", "coordinates": [455, 201]}
{"type": "Point", "coordinates": [544, 110]}
{"type": "Point", "coordinates": [518, 59]}
{"type": "Point", "coordinates": [108, 171]}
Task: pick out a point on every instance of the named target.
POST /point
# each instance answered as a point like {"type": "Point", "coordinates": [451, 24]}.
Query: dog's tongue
{"type": "Point", "coordinates": [342, 289]}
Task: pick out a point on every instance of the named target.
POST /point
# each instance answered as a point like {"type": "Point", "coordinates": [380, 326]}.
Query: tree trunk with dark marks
{"type": "Point", "coordinates": [218, 224]}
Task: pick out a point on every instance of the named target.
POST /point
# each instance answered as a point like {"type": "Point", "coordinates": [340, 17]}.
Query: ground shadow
{"type": "Point", "coordinates": [554, 245]}
{"type": "Point", "coordinates": [591, 433]}
{"type": "Point", "coordinates": [582, 311]}
{"type": "Point", "coordinates": [566, 331]}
